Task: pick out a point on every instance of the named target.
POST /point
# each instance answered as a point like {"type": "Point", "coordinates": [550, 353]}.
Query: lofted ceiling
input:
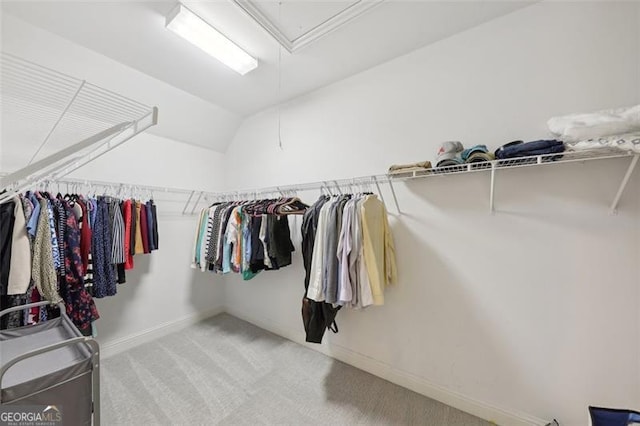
{"type": "Point", "coordinates": [330, 41]}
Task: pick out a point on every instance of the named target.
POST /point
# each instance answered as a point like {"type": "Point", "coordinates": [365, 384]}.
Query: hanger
{"type": "Point", "coordinates": [292, 206]}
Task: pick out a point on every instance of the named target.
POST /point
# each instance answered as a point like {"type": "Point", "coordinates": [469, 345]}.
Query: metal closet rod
{"type": "Point", "coordinates": [114, 185]}
{"type": "Point", "coordinates": [359, 184]}
{"type": "Point", "coordinates": [333, 187]}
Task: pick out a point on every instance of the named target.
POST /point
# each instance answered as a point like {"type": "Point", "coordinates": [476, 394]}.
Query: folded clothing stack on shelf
{"type": "Point", "coordinates": [516, 150]}
{"type": "Point", "coordinates": [398, 169]}
{"type": "Point", "coordinates": [607, 130]}
{"type": "Point", "coordinates": [453, 153]}
{"type": "Point", "coordinates": [477, 154]}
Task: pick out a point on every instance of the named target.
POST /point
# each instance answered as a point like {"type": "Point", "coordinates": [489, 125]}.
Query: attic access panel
{"type": "Point", "coordinates": [296, 24]}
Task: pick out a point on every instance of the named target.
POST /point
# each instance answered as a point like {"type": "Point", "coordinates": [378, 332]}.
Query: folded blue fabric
{"type": "Point", "coordinates": [612, 416]}
{"type": "Point", "coordinates": [476, 148]}
{"type": "Point", "coordinates": [542, 151]}
{"type": "Point", "coordinates": [540, 147]}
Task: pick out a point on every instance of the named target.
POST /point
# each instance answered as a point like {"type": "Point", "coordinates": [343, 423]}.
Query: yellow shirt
{"type": "Point", "coordinates": [379, 250]}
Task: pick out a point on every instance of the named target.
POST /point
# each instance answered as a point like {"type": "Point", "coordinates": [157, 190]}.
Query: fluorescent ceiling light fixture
{"type": "Point", "coordinates": [195, 30]}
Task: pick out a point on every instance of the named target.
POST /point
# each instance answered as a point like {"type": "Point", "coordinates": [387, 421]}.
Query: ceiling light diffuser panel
{"type": "Point", "coordinates": [195, 30]}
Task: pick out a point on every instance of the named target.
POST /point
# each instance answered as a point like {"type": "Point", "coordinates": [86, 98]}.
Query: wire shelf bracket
{"type": "Point", "coordinates": [492, 192]}
{"type": "Point", "coordinates": [623, 184]}
{"type": "Point", "coordinates": [55, 125]}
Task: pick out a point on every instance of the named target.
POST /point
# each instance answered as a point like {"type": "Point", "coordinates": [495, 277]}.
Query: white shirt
{"type": "Point", "coordinates": [345, 293]}
{"type": "Point", "coordinates": [316, 290]}
{"type": "Point", "coordinates": [20, 263]}
{"type": "Point", "coordinates": [263, 240]}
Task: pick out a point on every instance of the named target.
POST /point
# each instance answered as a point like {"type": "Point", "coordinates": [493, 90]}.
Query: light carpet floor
{"type": "Point", "coordinates": [226, 371]}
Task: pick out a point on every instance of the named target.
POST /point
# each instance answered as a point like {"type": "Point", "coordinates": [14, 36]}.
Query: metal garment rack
{"type": "Point", "coordinates": [62, 108]}
{"type": "Point", "coordinates": [357, 184]}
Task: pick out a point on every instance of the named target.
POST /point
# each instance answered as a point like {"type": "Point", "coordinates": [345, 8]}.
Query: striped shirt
{"type": "Point", "coordinates": [207, 240]}
{"type": "Point", "coordinates": [55, 248]}
{"type": "Point", "coordinates": [88, 276]}
{"type": "Point", "coordinates": [117, 236]}
{"type": "Point", "coordinates": [61, 215]}
{"type": "Point", "coordinates": [212, 248]}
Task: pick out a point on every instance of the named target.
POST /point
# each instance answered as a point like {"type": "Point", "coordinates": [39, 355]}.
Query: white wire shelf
{"type": "Point", "coordinates": [43, 110]}
{"type": "Point", "coordinates": [362, 183]}
{"type": "Point", "coordinates": [510, 163]}
{"type": "Point", "coordinates": [530, 161]}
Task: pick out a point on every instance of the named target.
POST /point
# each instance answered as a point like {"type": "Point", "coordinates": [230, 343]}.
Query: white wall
{"type": "Point", "coordinates": [533, 310]}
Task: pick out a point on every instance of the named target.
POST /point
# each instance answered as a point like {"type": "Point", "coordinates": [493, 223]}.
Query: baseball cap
{"type": "Point", "coordinates": [449, 154]}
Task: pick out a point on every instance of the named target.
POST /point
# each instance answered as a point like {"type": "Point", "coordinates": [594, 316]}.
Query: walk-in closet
{"type": "Point", "coordinates": [358, 212]}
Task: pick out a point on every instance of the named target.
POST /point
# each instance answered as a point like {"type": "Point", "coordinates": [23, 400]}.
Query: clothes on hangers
{"type": "Point", "coordinates": [103, 270]}
{"type": "Point", "coordinates": [316, 316]}
{"type": "Point", "coordinates": [68, 249]}
{"type": "Point", "coordinates": [128, 227]}
{"type": "Point", "coordinates": [78, 302]}
{"type": "Point", "coordinates": [44, 265]}
{"type": "Point", "coordinates": [349, 258]}
{"type": "Point", "coordinates": [245, 237]}
{"type": "Point", "coordinates": [7, 221]}
{"type": "Point", "coordinates": [138, 246]}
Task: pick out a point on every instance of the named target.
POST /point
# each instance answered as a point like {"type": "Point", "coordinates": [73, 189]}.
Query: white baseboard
{"type": "Point", "coordinates": [116, 346]}
{"type": "Point", "coordinates": [489, 412]}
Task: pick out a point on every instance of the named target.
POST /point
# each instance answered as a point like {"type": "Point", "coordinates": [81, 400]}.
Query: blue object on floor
{"type": "Point", "coordinates": [613, 417]}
